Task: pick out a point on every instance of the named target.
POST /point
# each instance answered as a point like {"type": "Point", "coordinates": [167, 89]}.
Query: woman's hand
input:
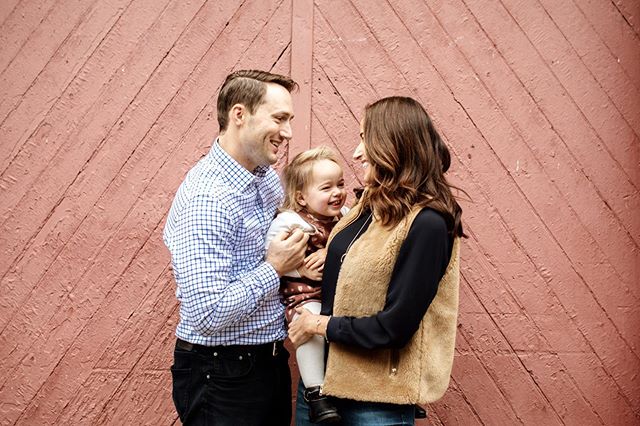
{"type": "Point", "coordinates": [305, 325]}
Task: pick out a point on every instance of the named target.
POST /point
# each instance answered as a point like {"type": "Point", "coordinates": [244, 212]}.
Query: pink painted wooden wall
{"type": "Point", "coordinates": [106, 104]}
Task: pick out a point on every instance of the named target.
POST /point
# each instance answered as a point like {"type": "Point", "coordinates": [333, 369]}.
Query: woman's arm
{"type": "Point", "coordinates": [421, 263]}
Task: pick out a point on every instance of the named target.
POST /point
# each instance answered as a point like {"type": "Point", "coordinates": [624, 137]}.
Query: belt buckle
{"type": "Point", "coordinates": [274, 351]}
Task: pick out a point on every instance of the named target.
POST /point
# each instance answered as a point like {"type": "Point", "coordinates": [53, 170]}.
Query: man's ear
{"type": "Point", "coordinates": [237, 114]}
{"type": "Point", "coordinates": [300, 199]}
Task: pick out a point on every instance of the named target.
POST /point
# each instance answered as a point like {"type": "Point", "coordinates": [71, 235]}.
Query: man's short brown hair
{"type": "Point", "coordinates": [247, 87]}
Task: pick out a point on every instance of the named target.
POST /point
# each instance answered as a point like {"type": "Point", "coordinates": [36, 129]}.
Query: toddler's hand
{"type": "Point", "coordinates": [316, 260]}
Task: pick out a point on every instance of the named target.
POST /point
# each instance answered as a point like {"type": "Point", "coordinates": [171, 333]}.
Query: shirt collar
{"type": "Point", "coordinates": [234, 172]}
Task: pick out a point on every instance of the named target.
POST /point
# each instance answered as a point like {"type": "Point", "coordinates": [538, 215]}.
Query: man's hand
{"type": "Point", "coordinates": [286, 251]}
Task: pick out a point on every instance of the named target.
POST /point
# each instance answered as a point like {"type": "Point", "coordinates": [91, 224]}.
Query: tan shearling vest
{"type": "Point", "coordinates": [417, 373]}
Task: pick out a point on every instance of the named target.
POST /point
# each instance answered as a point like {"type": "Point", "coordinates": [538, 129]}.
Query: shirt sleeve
{"type": "Point", "coordinates": [202, 255]}
{"type": "Point", "coordinates": [421, 264]}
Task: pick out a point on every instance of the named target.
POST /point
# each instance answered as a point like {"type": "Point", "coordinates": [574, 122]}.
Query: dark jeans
{"type": "Point", "coordinates": [232, 385]}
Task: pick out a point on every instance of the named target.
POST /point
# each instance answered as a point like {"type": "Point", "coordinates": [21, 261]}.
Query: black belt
{"type": "Point", "coordinates": [266, 349]}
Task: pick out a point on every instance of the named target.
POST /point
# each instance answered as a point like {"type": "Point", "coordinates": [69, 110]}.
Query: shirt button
{"type": "Point", "coordinates": [240, 357]}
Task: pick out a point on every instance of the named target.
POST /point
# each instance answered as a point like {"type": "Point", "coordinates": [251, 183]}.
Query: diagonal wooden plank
{"type": "Point", "coordinates": [48, 217]}
{"type": "Point", "coordinates": [42, 45]}
{"type": "Point", "coordinates": [508, 209]}
{"type": "Point", "coordinates": [477, 100]}
{"type": "Point", "coordinates": [128, 233]}
{"type": "Point", "coordinates": [616, 22]}
{"type": "Point", "coordinates": [19, 20]}
{"type": "Point", "coordinates": [575, 78]}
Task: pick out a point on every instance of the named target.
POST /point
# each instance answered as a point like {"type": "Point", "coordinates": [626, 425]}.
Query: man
{"type": "Point", "coordinates": [230, 366]}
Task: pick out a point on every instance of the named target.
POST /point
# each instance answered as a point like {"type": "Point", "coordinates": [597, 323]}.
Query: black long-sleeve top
{"type": "Point", "coordinates": [421, 264]}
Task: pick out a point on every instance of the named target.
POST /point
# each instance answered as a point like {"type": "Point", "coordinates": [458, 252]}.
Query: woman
{"type": "Point", "coordinates": [391, 276]}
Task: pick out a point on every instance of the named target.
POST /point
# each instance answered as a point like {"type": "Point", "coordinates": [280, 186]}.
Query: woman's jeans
{"type": "Point", "coordinates": [356, 413]}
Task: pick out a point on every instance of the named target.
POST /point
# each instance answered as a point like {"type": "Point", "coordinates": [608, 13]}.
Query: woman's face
{"type": "Point", "coordinates": [360, 154]}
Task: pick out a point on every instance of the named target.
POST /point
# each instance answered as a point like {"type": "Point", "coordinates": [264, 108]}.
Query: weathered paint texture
{"type": "Point", "coordinates": [105, 105]}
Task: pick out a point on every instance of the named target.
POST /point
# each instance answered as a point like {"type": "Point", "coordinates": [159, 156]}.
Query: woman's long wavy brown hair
{"type": "Point", "coordinates": [408, 160]}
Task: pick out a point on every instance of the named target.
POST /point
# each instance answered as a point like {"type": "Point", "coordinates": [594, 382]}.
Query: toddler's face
{"type": "Point", "coordinates": [325, 194]}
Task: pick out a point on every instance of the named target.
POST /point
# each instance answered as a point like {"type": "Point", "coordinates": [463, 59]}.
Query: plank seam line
{"type": "Point", "coordinates": [34, 235]}
{"type": "Point", "coordinates": [127, 372]}
{"type": "Point", "coordinates": [570, 98]}
{"type": "Point", "coordinates": [333, 142]}
{"type": "Point", "coordinates": [123, 381]}
{"type": "Point", "coordinates": [603, 41]}
{"type": "Point", "coordinates": [580, 58]}
{"type": "Point", "coordinates": [595, 188]}
{"type": "Point", "coordinates": [55, 52]}
{"type": "Point", "coordinates": [633, 29]}
{"type": "Point", "coordinates": [346, 51]}
{"type": "Point", "coordinates": [46, 15]}
{"type": "Point", "coordinates": [98, 199]}
{"type": "Point", "coordinates": [279, 56]}
{"type": "Point", "coordinates": [15, 6]}
{"type": "Point", "coordinates": [64, 354]}
{"type": "Point", "coordinates": [564, 308]}
{"type": "Point", "coordinates": [530, 319]}
{"type": "Point", "coordinates": [55, 100]}
{"type": "Point", "coordinates": [519, 190]}
{"type": "Point", "coordinates": [160, 114]}
{"type": "Point", "coordinates": [515, 128]}
{"type": "Point", "coordinates": [466, 399]}
{"type": "Point", "coordinates": [492, 376]}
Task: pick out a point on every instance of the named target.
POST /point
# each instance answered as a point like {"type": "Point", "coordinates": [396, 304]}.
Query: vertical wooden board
{"type": "Point", "coordinates": [302, 71]}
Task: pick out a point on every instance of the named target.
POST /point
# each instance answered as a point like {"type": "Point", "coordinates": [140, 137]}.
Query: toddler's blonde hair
{"type": "Point", "coordinates": [297, 174]}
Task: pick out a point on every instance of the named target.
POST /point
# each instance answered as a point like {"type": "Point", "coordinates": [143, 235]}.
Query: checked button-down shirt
{"type": "Point", "coordinates": [216, 235]}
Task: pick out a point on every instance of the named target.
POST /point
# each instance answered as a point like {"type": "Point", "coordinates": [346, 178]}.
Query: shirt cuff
{"type": "Point", "coordinates": [332, 328]}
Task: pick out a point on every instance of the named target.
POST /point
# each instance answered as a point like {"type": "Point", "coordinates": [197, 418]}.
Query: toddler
{"type": "Point", "coordinates": [314, 201]}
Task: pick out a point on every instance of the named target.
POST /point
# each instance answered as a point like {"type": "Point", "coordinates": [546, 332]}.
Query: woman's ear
{"type": "Point", "coordinates": [300, 199]}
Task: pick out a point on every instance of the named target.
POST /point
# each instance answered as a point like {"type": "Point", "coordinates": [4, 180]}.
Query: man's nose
{"type": "Point", "coordinates": [285, 130]}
